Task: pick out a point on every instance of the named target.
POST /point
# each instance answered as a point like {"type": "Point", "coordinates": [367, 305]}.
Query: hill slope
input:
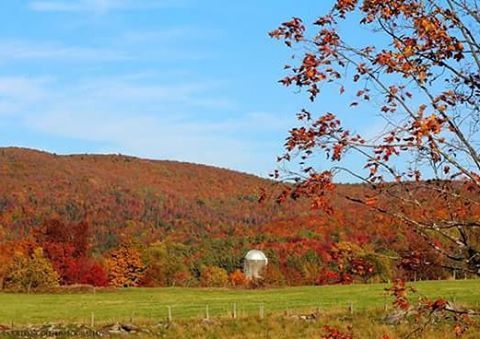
{"type": "Point", "coordinates": [120, 194]}
{"type": "Point", "coordinates": [202, 215]}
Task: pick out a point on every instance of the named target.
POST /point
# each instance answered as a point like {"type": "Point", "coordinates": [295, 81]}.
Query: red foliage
{"type": "Point", "coordinates": [66, 245]}
{"type": "Point", "coordinates": [85, 271]}
{"type": "Point", "coordinates": [237, 278]}
{"type": "Point", "coordinates": [335, 333]}
{"type": "Point", "coordinates": [423, 69]}
{"type": "Point", "coordinates": [328, 277]}
{"type": "Point", "coordinates": [201, 207]}
{"type": "Point", "coordinates": [399, 291]}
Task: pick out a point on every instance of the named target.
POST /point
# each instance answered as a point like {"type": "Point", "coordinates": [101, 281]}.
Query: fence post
{"type": "Point", "coordinates": [234, 313]}
{"type": "Point", "coordinates": [92, 320]}
{"type": "Point", "coordinates": [169, 313]}
{"type": "Point", "coordinates": [350, 307]}
{"type": "Point", "coordinates": [385, 302]}
{"type": "Point", "coordinates": [261, 312]}
{"type": "Point", "coordinates": [207, 313]}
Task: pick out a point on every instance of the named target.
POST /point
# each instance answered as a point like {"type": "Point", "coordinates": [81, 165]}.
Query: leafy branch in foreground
{"type": "Point", "coordinates": [427, 312]}
{"type": "Point", "coordinates": [416, 71]}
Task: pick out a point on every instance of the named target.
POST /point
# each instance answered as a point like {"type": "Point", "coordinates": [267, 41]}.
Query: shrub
{"type": "Point", "coordinates": [273, 276]}
{"type": "Point", "coordinates": [165, 267]}
{"type": "Point", "coordinates": [237, 278]}
{"type": "Point", "coordinates": [212, 276]}
{"type": "Point", "coordinates": [31, 273]}
{"type": "Point", "coordinates": [85, 271]}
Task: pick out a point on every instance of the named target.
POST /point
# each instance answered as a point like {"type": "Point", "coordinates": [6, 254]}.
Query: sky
{"type": "Point", "coordinates": [185, 80]}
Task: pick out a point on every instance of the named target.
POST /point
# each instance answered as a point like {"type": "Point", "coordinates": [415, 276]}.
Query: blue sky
{"type": "Point", "coordinates": [187, 80]}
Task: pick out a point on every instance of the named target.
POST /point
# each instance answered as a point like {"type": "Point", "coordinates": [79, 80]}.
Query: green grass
{"type": "Point", "coordinates": [151, 303]}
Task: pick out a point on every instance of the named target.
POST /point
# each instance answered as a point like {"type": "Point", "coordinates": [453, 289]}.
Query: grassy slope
{"type": "Point", "coordinates": [190, 303]}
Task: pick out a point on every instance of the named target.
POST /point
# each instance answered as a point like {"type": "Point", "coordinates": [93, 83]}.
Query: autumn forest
{"type": "Point", "coordinates": [371, 109]}
{"type": "Point", "coordinates": [122, 221]}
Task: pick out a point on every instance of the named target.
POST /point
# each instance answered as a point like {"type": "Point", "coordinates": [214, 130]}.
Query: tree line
{"type": "Point", "coordinates": [61, 253]}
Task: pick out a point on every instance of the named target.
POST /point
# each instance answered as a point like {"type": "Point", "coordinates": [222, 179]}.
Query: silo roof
{"type": "Point", "coordinates": [256, 255]}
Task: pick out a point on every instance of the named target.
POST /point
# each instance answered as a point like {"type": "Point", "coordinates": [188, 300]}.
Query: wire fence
{"type": "Point", "coordinates": [260, 310]}
{"type": "Point", "coordinates": [152, 307]}
{"type": "Point", "coordinates": [238, 310]}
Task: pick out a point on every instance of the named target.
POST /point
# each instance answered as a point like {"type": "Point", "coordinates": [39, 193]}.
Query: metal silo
{"type": "Point", "coordinates": [254, 263]}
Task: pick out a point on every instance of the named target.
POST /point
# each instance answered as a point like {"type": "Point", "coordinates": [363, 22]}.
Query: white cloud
{"type": "Point", "coordinates": [168, 44]}
{"type": "Point", "coordinates": [18, 50]}
{"type": "Point", "coordinates": [171, 35]}
{"type": "Point", "coordinates": [133, 116]}
{"type": "Point", "coordinates": [25, 88]}
{"type": "Point", "coordinates": [20, 93]}
{"type": "Point", "coordinates": [101, 6]}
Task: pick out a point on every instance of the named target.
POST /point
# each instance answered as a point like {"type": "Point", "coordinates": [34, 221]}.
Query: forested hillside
{"type": "Point", "coordinates": [124, 195]}
{"type": "Point", "coordinates": [111, 219]}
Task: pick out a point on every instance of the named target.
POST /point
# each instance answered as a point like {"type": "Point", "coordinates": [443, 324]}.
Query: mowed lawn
{"type": "Point", "coordinates": [144, 304]}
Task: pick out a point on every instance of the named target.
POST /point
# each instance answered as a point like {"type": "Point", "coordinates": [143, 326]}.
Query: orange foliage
{"type": "Point", "coordinates": [125, 267]}
{"type": "Point", "coordinates": [237, 278]}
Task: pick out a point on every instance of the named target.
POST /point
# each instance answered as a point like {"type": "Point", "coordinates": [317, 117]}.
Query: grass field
{"type": "Point", "coordinates": [185, 303]}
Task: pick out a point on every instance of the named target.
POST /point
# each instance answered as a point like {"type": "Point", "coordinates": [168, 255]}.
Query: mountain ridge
{"type": "Point", "coordinates": [33, 151]}
{"type": "Point", "coordinates": [112, 190]}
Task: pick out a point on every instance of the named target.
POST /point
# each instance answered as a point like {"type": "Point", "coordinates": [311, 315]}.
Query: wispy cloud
{"type": "Point", "coordinates": [126, 48]}
{"type": "Point", "coordinates": [138, 87]}
{"type": "Point", "coordinates": [132, 116]}
{"type": "Point", "coordinates": [17, 50]}
{"type": "Point", "coordinates": [167, 44]}
{"type": "Point", "coordinates": [18, 94]}
{"type": "Point", "coordinates": [171, 35]}
{"type": "Point", "coordinates": [101, 6]}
